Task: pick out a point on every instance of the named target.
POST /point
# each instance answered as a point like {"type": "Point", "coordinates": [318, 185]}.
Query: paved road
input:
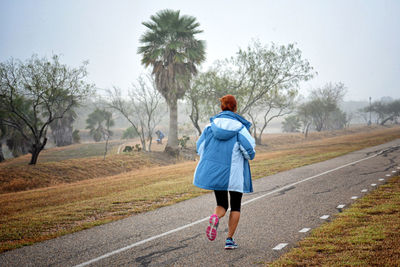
{"type": "Point", "coordinates": [282, 205]}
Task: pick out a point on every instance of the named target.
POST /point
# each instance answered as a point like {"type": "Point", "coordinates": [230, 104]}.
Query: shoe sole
{"type": "Point", "coordinates": [231, 247]}
{"type": "Point", "coordinates": [211, 231]}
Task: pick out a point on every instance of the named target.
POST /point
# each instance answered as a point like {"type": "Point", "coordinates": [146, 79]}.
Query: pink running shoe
{"type": "Point", "coordinates": [211, 231]}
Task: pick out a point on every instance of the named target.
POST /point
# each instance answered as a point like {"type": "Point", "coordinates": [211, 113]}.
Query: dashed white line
{"type": "Point", "coordinates": [393, 171]}
{"type": "Point", "coordinates": [324, 217]}
{"type": "Point", "coordinates": [381, 179]}
{"type": "Point", "coordinates": [205, 219]}
{"type": "Point", "coordinates": [364, 190]}
{"type": "Point", "coordinates": [373, 184]}
{"type": "Point", "coordinates": [304, 230]}
{"type": "Point", "coordinates": [341, 206]}
{"type": "Point", "coordinates": [354, 197]}
{"type": "Point", "coordinates": [387, 175]}
{"type": "Point", "coordinates": [280, 246]}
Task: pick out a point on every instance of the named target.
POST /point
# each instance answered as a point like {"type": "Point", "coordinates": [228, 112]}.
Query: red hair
{"type": "Point", "coordinates": [228, 102]}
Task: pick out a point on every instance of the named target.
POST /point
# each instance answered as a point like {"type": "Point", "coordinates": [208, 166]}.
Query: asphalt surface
{"type": "Point", "coordinates": [282, 205]}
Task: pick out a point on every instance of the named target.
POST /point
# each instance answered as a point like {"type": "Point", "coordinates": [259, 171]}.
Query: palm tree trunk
{"type": "Point", "coordinates": [172, 144]}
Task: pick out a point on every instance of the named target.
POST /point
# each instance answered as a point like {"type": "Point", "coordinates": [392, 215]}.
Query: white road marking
{"type": "Point", "coordinates": [393, 171]}
{"type": "Point", "coordinates": [388, 175]}
{"type": "Point", "coordinates": [373, 184]}
{"type": "Point", "coordinates": [354, 197]}
{"type": "Point", "coordinates": [207, 218]}
{"type": "Point", "coordinates": [381, 179]}
{"type": "Point", "coordinates": [141, 242]}
{"type": "Point", "coordinates": [341, 206]}
{"type": "Point", "coordinates": [280, 246]}
{"type": "Point", "coordinates": [364, 190]}
{"type": "Point", "coordinates": [324, 217]}
{"type": "Point", "coordinates": [398, 168]}
{"type": "Point", "coordinates": [304, 230]}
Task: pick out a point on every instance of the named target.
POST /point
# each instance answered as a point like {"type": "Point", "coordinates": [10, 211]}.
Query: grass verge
{"type": "Point", "coordinates": [40, 214]}
{"type": "Point", "coordinates": [366, 234]}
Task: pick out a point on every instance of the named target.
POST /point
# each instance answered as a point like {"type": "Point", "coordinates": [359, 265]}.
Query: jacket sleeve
{"type": "Point", "coordinates": [246, 144]}
{"type": "Point", "coordinates": [200, 143]}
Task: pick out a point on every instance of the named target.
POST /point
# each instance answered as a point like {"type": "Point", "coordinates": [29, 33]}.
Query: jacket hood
{"type": "Point", "coordinates": [227, 124]}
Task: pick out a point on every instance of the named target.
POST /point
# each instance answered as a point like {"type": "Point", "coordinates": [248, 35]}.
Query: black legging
{"type": "Point", "coordinates": [222, 199]}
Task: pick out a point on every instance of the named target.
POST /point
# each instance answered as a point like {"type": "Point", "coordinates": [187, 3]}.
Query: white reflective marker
{"type": "Point", "coordinates": [304, 230]}
{"type": "Point", "coordinates": [364, 190]}
{"type": "Point", "coordinates": [324, 217]}
{"type": "Point", "coordinates": [341, 206]}
{"type": "Point", "coordinates": [354, 197]}
{"type": "Point", "coordinates": [280, 246]}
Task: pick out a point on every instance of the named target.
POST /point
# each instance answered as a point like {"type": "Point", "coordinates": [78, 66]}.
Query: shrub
{"type": "Point", "coordinates": [182, 141]}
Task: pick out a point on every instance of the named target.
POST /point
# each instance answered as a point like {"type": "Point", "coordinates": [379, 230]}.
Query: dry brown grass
{"type": "Point", "coordinates": [24, 177]}
{"type": "Point", "coordinates": [367, 234]}
{"type": "Point", "coordinates": [39, 214]}
{"type": "Point", "coordinates": [71, 166]}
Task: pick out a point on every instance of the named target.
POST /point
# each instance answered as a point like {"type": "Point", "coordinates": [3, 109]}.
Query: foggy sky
{"type": "Point", "coordinates": [354, 42]}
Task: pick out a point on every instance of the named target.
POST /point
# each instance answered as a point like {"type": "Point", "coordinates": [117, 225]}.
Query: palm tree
{"type": "Point", "coordinates": [170, 47]}
{"type": "Point", "coordinates": [61, 129]}
{"type": "Point", "coordinates": [95, 122]}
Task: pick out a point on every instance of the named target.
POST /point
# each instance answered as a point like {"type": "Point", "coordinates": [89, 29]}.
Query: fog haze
{"type": "Point", "coordinates": [354, 42]}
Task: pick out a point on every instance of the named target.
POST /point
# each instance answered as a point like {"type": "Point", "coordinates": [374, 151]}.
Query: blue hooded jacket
{"type": "Point", "coordinates": [225, 148]}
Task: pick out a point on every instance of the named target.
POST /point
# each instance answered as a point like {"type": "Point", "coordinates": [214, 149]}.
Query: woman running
{"type": "Point", "coordinates": [225, 147]}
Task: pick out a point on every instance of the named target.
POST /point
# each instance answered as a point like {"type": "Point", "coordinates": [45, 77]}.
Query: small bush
{"type": "Point", "coordinates": [76, 138]}
{"type": "Point", "coordinates": [138, 147]}
{"type": "Point", "coordinates": [182, 141]}
{"type": "Point", "coordinates": [128, 149]}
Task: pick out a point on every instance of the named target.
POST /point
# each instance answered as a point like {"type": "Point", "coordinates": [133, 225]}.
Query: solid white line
{"type": "Point", "coordinates": [309, 178]}
{"type": "Point", "coordinates": [205, 219]}
{"type": "Point", "coordinates": [304, 230]}
{"type": "Point", "coordinates": [280, 246]}
{"type": "Point", "coordinates": [141, 242]}
{"type": "Point", "coordinates": [324, 217]}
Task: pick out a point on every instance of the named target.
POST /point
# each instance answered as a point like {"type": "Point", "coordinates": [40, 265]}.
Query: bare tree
{"type": "Point", "coordinates": [276, 103]}
{"type": "Point", "coordinates": [143, 110]}
{"type": "Point", "coordinates": [322, 110]}
{"type": "Point", "coordinates": [259, 69]}
{"type": "Point", "coordinates": [202, 96]}
{"type": "Point", "coordinates": [291, 124]}
{"type": "Point", "coordinates": [3, 137]}
{"type": "Point", "coordinates": [392, 111]}
{"type": "Point", "coordinates": [384, 111]}
{"type": "Point", "coordinates": [256, 77]}
{"type": "Point", "coordinates": [305, 114]}
{"type": "Point", "coordinates": [36, 93]}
